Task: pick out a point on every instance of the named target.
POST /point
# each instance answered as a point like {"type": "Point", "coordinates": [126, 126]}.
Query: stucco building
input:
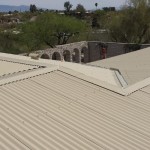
{"type": "Point", "coordinates": [85, 51]}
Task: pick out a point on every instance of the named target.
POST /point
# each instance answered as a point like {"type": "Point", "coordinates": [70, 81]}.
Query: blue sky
{"type": "Point", "coordinates": [58, 4]}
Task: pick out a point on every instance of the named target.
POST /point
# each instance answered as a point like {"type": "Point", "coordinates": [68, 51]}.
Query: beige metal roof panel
{"type": "Point", "coordinates": [102, 74]}
{"type": "Point", "coordinates": [27, 75]}
{"type": "Point", "coordinates": [26, 60]}
{"type": "Point", "coordinates": [9, 142]}
{"type": "Point", "coordinates": [59, 111]}
{"type": "Point", "coordinates": [133, 66]}
{"type": "Point", "coordinates": [123, 111]}
{"type": "Point", "coordinates": [12, 67]}
{"type": "Point", "coordinates": [38, 129]}
{"type": "Point", "coordinates": [146, 89]}
{"type": "Point", "coordinates": [140, 99]}
{"type": "Point", "coordinates": [116, 88]}
{"type": "Point", "coordinates": [105, 75]}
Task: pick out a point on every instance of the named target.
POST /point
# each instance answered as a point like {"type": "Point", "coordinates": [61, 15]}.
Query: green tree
{"type": "Point", "coordinates": [98, 19]}
{"type": "Point", "coordinates": [16, 11]}
{"type": "Point", "coordinates": [80, 8]}
{"type": "Point", "coordinates": [10, 12]}
{"type": "Point", "coordinates": [131, 25]}
{"type": "Point", "coordinates": [51, 29]}
{"type": "Point", "coordinates": [9, 43]}
{"type": "Point", "coordinates": [29, 36]}
{"type": "Point", "coordinates": [64, 27]}
{"type": "Point", "coordinates": [67, 6]}
{"type": "Point", "coordinates": [33, 8]}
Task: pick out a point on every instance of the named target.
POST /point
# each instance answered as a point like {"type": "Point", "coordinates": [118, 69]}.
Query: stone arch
{"type": "Point", "coordinates": [76, 56]}
{"type": "Point", "coordinates": [67, 55]}
{"type": "Point", "coordinates": [45, 56]}
{"type": "Point", "coordinates": [84, 55]}
{"type": "Point", "coordinates": [56, 56]}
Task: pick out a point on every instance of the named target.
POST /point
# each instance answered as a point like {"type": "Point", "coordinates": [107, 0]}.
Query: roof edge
{"type": "Point", "coordinates": [137, 86]}
{"type": "Point", "coordinates": [23, 60]}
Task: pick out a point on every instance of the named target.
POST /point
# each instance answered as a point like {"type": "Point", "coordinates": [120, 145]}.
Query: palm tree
{"type": "Point", "coordinates": [96, 4]}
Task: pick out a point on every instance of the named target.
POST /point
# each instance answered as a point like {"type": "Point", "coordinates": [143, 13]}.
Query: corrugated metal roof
{"type": "Point", "coordinates": [146, 90]}
{"type": "Point", "coordinates": [133, 66]}
{"type": "Point", "coordinates": [7, 141]}
{"type": "Point", "coordinates": [141, 98]}
{"type": "Point", "coordinates": [62, 106]}
{"type": "Point", "coordinates": [59, 111]}
{"type": "Point", "coordinates": [105, 75]}
{"type": "Point", "coordinates": [7, 68]}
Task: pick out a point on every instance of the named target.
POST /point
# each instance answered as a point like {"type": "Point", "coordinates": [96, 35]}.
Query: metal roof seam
{"type": "Point", "coordinates": [83, 105]}
{"type": "Point", "coordinates": [28, 75]}
{"type": "Point", "coordinates": [100, 146]}
{"type": "Point", "coordinates": [17, 62]}
{"type": "Point", "coordinates": [73, 115]}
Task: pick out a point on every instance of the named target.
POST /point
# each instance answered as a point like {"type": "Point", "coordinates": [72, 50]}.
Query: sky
{"type": "Point", "coordinates": [59, 4]}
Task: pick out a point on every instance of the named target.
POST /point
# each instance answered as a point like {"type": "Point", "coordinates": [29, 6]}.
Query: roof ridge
{"type": "Point", "coordinates": [93, 80]}
{"type": "Point", "coordinates": [125, 90]}
{"type": "Point", "coordinates": [137, 86]}
{"type": "Point", "coordinates": [28, 75]}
